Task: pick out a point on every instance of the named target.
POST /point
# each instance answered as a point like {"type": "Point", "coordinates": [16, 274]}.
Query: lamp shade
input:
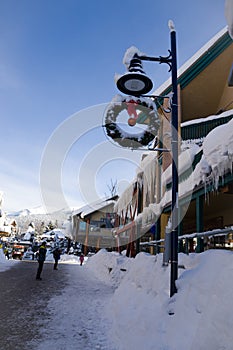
{"type": "Point", "coordinates": [134, 84]}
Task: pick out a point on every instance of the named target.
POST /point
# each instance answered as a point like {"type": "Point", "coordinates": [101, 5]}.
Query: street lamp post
{"type": "Point", "coordinates": [136, 83]}
{"type": "Point", "coordinates": [175, 181]}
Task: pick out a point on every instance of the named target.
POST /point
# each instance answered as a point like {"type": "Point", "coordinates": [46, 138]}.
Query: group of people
{"type": "Point", "coordinates": [41, 256]}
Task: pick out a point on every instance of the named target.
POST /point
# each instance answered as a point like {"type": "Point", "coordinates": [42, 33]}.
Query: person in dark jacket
{"type": "Point", "coordinates": [41, 255]}
{"type": "Point", "coordinates": [56, 256]}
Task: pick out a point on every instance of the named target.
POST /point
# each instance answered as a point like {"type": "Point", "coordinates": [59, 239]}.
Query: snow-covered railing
{"type": "Point", "coordinates": [215, 233]}
{"type": "Point", "coordinates": [198, 129]}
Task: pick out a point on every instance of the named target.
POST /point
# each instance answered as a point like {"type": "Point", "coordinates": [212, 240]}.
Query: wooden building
{"type": "Point", "coordinates": [93, 224]}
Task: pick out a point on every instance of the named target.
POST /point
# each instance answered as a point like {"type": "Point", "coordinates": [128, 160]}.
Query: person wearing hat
{"type": "Point", "coordinates": [41, 258]}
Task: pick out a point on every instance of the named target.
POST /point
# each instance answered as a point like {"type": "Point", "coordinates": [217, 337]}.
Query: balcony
{"type": "Point", "coordinates": [198, 129]}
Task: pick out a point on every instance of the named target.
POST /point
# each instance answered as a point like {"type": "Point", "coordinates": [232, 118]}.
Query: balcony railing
{"type": "Point", "coordinates": [199, 130]}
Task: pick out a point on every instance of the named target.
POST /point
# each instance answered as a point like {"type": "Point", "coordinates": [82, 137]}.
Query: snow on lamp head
{"type": "Point", "coordinates": [134, 82]}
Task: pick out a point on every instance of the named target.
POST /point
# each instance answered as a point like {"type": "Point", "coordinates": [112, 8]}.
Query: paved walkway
{"type": "Point", "coordinates": [23, 302]}
{"type": "Point", "coordinates": [31, 318]}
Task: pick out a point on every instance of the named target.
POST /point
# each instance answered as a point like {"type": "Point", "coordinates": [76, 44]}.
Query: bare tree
{"type": "Point", "coordinates": [112, 188]}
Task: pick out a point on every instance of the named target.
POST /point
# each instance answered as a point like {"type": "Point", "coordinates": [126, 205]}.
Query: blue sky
{"type": "Point", "coordinates": [58, 58]}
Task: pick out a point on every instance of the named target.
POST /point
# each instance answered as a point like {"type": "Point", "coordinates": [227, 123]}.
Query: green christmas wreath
{"type": "Point", "coordinates": [147, 111]}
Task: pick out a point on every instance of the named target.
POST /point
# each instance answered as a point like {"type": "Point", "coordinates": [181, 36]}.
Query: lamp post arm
{"type": "Point", "coordinates": [160, 59]}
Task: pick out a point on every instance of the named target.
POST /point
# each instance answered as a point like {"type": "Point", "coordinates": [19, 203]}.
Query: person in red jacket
{"type": "Point", "coordinates": [81, 258]}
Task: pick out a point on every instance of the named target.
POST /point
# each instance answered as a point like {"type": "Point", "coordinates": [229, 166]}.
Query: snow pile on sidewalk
{"type": "Point", "coordinates": [110, 268]}
{"type": "Point", "coordinates": [199, 316]}
{"type": "Point", "coordinates": [6, 264]}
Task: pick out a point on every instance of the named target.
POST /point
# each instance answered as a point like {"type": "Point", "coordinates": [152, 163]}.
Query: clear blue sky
{"type": "Point", "coordinates": [58, 57]}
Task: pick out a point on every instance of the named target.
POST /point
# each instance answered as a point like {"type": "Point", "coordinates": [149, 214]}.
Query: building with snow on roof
{"type": "Point", "coordinates": [93, 224]}
{"type": "Point", "coordinates": [8, 228]}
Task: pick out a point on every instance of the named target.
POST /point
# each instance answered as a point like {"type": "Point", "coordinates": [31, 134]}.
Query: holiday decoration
{"type": "Point", "coordinates": [141, 111]}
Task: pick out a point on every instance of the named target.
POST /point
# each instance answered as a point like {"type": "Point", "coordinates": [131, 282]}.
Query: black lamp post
{"type": "Point", "coordinates": [136, 83]}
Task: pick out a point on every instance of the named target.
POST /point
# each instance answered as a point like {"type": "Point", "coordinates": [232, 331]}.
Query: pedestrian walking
{"type": "Point", "coordinates": [6, 252]}
{"type": "Point", "coordinates": [56, 256]}
{"type": "Point", "coordinates": [81, 258]}
{"type": "Point", "coordinates": [41, 255]}
{"type": "Point", "coordinates": [68, 246]}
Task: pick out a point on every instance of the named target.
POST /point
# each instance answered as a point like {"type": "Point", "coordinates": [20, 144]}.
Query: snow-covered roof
{"type": "Point", "coordinates": [55, 232]}
{"type": "Point", "coordinates": [125, 199]}
{"type": "Point", "coordinates": [185, 162]}
{"type": "Point", "coordinates": [95, 206]}
{"type": "Point", "coordinates": [216, 161]}
{"type": "Point", "coordinates": [209, 118]}
{"type": "Point", "coordinates": [192, 60]}
{"type": "Point", "coordinates": [146, 169]}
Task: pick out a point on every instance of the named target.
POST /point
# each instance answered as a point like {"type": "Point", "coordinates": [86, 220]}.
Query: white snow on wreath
{"type": "Point", "coordinates": [132, 105]}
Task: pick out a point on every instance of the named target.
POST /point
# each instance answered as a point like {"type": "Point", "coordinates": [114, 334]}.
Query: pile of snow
{"type": "Point", "coordinates": [6, 264]}
{"type": "Point", "coordinates": [199, 316]}
{"type": "Point", "coordinates": [109, 267]}
{"type": "Point", "coordinates": [55, 234]}
{"type": "Point", "coordinates": [129, 55]}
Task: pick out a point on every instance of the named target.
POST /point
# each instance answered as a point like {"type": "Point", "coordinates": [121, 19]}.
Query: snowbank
{"type": "Point", "coordinates": [109, 267]}
{"type": "Point", "coordinates": [199, 316]}
{"type": "Point", "coordinates": [6, 264]}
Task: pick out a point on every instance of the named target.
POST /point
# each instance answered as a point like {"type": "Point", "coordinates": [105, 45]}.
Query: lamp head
{"type": "Point", "coordinates": [135, 82]}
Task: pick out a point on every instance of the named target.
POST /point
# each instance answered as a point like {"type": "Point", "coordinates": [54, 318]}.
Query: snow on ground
{"type": "Point", "coordinates": [140, 307]}
{"type": "Point", "coordinates": [5, 264]}
{"type": "Point", "coordinates": [126, 301]}
{"type": "Point", "coordinates": [76, 318]}
{"type": "Point", "coordinates": [65, 258]}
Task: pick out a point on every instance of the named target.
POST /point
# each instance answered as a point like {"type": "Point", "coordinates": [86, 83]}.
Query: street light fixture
{"type": "Point", "coordinates": [135, 82]}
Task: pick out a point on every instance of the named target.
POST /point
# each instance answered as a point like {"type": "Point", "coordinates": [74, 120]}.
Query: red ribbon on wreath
{"type": "Point", "coordinates": [131, 109]}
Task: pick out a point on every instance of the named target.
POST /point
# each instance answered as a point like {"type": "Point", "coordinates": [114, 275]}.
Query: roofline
{"type": "Point", "coordinates": [87, 215]}
{"type": "Point", "coordinates": [199, 61]}
{"type": "Point", "coordinates": [200, 190]}
{"type": "Point", "coordinates": [104, 201]}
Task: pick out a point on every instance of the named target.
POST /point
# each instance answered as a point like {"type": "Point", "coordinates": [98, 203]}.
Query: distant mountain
{"type": "Point", "coordinates": [40, 211]}
{"type": "Point", "coordinates": [27, 212]}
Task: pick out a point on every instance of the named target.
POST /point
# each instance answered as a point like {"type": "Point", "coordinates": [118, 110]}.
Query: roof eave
{"type": "Point", "coordinates": [198, 61]}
